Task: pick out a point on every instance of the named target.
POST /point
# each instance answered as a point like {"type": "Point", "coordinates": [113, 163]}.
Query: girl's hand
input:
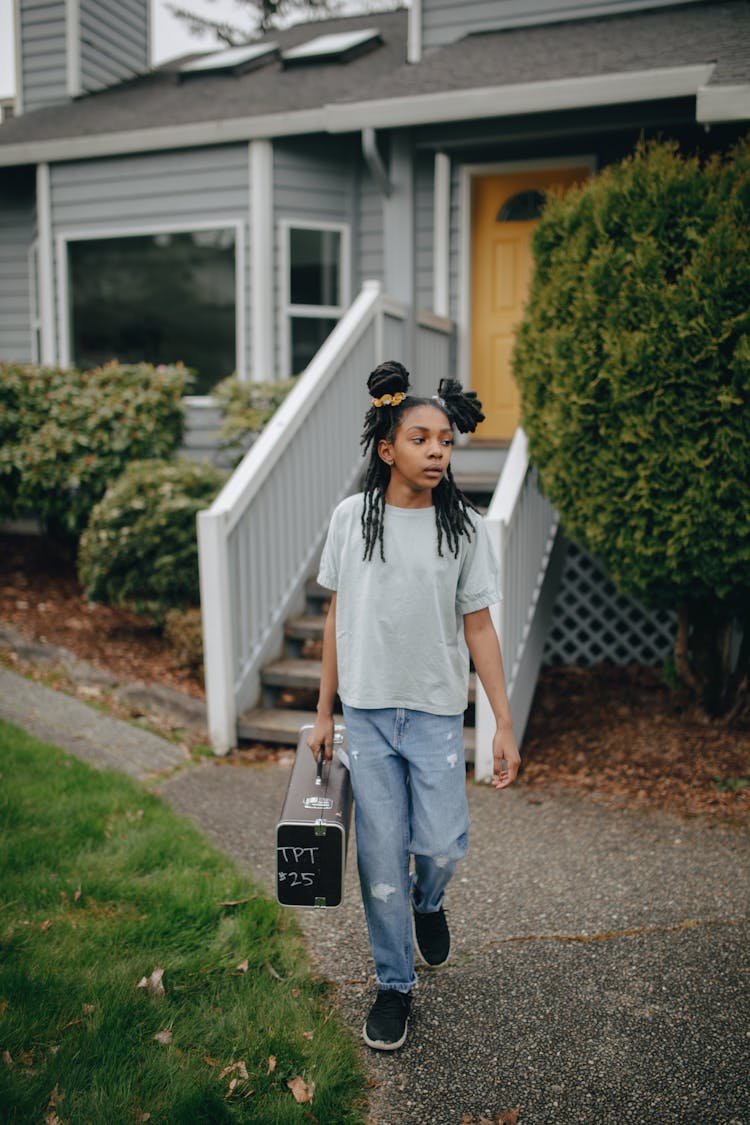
{"type": "Point", "coordinates": [505, 756]}
{"type": "Point", "coordinates": [322, 735]}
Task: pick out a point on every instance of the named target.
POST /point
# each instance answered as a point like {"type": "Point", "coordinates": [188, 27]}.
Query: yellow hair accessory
{"type": "Point", "coordinates": [389, 400]}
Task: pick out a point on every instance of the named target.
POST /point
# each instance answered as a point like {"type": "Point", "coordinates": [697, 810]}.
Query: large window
{"type": "Point", "coordinates": [156, 297]}
{"type": "Point", "coordinates": [317, 288]}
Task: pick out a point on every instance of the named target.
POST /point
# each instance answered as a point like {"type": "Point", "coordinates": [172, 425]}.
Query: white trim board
{"type": "Point", "coordinates": [314, 312]}
{"type": "Point", "coordinates": [88, 234]}
{"type": "Point", "coordinates": [467, 172]}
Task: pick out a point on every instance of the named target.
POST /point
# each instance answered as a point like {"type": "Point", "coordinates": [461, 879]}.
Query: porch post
{"type": "Point", "coordinates": [261, 260]}
{"type": "Point", "coordinates": [398, 224]}
{"type": "Point", "coordinates": [48, 350]}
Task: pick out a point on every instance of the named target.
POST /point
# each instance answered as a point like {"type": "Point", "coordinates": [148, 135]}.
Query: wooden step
{"type": "Point", "coordinates": [292, 674]}
{"type": "Point", "coordinates": [306, 628]}
{"type": "Point", "coordinates": [275, 727]}
{"type": "Point", "coordinates": [476, 482]}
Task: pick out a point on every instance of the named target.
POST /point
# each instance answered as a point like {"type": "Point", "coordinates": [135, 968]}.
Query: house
{"type": "Point", "coordinates": [316, 200]}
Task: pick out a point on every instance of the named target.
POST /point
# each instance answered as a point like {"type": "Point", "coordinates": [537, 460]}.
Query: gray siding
{"type": "Point", "coordinates": [114, 41]}
{"type": "Point", "coordinates": [368, 249]}
{"type": "Point", "coordinates": [17, 219]}
{"type": "Point", "coordinates": [314, 180]}
{"type": "Point", "coordinates": [445, 21]}
{"type": "Point", "coordinates": [151, 192]}
{"type": "Point", "coordinates": [43, 77]}
{"type": "Point", "coordinates": [424, 174]}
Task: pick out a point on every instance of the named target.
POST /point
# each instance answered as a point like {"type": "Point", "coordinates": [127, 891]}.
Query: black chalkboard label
{"type": "Point", "coordinates": [310, 864]}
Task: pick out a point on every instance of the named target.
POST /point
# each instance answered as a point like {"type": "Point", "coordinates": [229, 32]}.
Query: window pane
{"type": "Point", "coordinates": [159, 298]}
{"type": "Point", "coordinates": [308, 333]}
{"type": "Point", "coordinates": [522, 208]}
{"type": "Point", "coordinates": [314, 267]}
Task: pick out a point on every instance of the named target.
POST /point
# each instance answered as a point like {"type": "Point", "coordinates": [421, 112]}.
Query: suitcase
{"type": "Point", "coordinates": [313, 830]}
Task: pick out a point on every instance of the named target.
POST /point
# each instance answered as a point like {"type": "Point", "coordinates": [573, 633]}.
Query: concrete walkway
{"type": "Point", "coordinates": [600, 958]}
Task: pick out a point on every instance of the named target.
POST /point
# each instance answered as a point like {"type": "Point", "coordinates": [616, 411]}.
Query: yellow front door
{"type": "Point", "coordinates": [503, 218]}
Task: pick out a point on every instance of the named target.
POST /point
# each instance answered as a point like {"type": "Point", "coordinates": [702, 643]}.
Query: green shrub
{"type": "Point", "coordinates": [633, 362]}
{"type": "Point", "coordinates": [140, 548]}
{"type": "Point", "coordinates": [65, 435]}
{"type": "Point", "coordinates": [247, 407]}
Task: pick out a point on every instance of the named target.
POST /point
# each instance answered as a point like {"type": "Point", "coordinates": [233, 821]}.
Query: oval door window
{"type": "Point", "coordinates": [523, 207]}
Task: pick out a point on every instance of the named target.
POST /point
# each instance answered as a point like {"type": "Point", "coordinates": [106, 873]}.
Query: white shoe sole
{"type": "Point", "coordinates": [381, 1045]}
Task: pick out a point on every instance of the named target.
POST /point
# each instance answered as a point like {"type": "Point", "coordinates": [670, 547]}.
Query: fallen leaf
{"type": "Point", "coordinates": [271, 1064]}
{"type": "Point", "coordinates": [210, 1061]}
{"type": "Point", "coordinates": [301, 1090]}
{"type": "Point", "coordinates": [63, 898]}
{"type": "Point", "coordinates": [244, 966]}
{"type": "Point", "coordinates": [272, 971]}
{"type": "Point", "coordinates": [88, 1009]}
{"type": "Point", "coordinates": [307, 1035]}
{"type": "Point", "coordinates": [164, 1036]}
{"type": "Point", "coordinates": [239, 1067]}
{"type": "Point", "coordinates": [26, 1057]}
{"type": "Point", "coordinates": [7, 1059]}
{"type": "Point", "coordinates": [238, 901]}
{"type": "Point", "coordinates": [55, 1097]}
{"type": "Point", "coordinates": [144, 1117]}
{"type": "Point", "coordinates": [46, 925]}
{"type": "Point", "coordinates": [77, 898]}
{"type": "Point", "coordinates": [232, 1086]}
{"type": "Point", "coordinates": [153, 984]}
{"type": "Point", "coordinates": [52, 1119]}
{"type": "Point", "coordinates": [510, 1117]}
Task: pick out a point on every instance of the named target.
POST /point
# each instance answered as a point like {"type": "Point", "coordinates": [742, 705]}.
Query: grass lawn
{"type": "Point", "coordinates": [100, 885]}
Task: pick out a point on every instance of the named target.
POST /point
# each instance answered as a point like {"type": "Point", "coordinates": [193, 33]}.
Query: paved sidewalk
{"type": "Point", "coordinates": [600, 960]}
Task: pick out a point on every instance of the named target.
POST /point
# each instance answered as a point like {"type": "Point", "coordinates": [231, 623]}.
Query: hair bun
{"type": "Point", "coordinates": [388, 378]}
{"type": "Point", "coordinates": [462, 407]}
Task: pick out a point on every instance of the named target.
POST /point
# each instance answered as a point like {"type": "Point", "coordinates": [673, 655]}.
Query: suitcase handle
{"type": "Point", "coordinates": [320, 759]}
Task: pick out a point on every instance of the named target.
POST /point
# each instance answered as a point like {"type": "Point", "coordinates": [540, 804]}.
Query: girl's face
{"type": "Point", "coordinates": [418, 456]}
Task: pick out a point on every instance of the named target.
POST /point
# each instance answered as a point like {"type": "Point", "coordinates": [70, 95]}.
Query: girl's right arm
{"type": "Point", "coordinates": [322, 732]}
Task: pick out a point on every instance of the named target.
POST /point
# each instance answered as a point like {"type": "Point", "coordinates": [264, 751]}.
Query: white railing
{"type": "Point", "coordinates": [523, 526]}
{"type": "Point", "coordinates": [259, 540]}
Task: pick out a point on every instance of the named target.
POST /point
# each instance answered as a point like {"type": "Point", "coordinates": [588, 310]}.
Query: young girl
{"type": "Point", "coordinates": [413, 574]}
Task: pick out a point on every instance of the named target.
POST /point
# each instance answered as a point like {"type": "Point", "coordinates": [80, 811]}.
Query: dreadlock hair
{"type": "Point", "coordinates": [462, 409]}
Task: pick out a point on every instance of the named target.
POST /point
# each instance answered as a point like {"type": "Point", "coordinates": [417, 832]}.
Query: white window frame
{"type": "Point", "coordinates": [313, 312]}
{"type": "Point", "coordinates": [88, 234]}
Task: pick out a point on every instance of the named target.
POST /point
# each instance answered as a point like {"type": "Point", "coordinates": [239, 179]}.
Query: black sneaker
{"type": "Point", "coordinates": [385, 1029]}
{"type": "Point", "coordinates": [433, 937]}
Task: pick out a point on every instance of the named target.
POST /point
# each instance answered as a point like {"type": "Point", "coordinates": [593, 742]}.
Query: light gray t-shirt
{"type": "Point", "coordinates": [399, 623]}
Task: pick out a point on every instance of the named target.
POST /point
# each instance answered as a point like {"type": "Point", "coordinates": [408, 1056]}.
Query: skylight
{"type": "Point", "coordinates": [340, 47]}
{"type": "Point", "coordinates": [237, 59]}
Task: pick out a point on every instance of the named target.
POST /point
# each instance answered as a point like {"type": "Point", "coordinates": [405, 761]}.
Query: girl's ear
{"type": "Point", "coordinates": [385, 451]}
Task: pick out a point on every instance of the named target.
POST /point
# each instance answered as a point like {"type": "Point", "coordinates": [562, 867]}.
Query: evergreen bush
{"type": "Point", "coordinates": [633, 362]}
{"type": "Point", "coordinates": [65, 435]}
{"type": "Point", "coordinates": [140, 549]}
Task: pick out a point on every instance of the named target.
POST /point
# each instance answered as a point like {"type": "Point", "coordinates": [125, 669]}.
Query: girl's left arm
{"type": "Point", "coordinates": [484, 648]}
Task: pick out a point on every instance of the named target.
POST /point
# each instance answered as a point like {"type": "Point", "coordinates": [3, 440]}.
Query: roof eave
{"type": "Point", "coordinates": [520, 98]}
{"type": "Point", "coordinates": [192, 135]}
{"type": "Point", "coordinates": [713, 104]}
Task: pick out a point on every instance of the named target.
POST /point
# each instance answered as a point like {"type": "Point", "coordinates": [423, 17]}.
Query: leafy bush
{"type": "Point", "coordinates": [140, 548]}
{"type": "Point", "coordinates": [65, 435]}
{"type": "Point", "coordinates": [633, 362]}
{"type": "Point", "coordinates": [247, 407]}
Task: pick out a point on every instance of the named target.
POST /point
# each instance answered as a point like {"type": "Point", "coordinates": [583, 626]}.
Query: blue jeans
{"type": "Point", "coordinates": [409, 784]}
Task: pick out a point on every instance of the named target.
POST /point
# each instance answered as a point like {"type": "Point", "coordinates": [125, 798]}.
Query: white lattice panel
{"type": "Point", "coordinates": [592, 622]}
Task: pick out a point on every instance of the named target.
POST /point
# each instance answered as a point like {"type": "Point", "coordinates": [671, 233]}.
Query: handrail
{"type": "Point", "coordinates": [258, 542]}
{"type": "Point", "coordinates": [523, 527]}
